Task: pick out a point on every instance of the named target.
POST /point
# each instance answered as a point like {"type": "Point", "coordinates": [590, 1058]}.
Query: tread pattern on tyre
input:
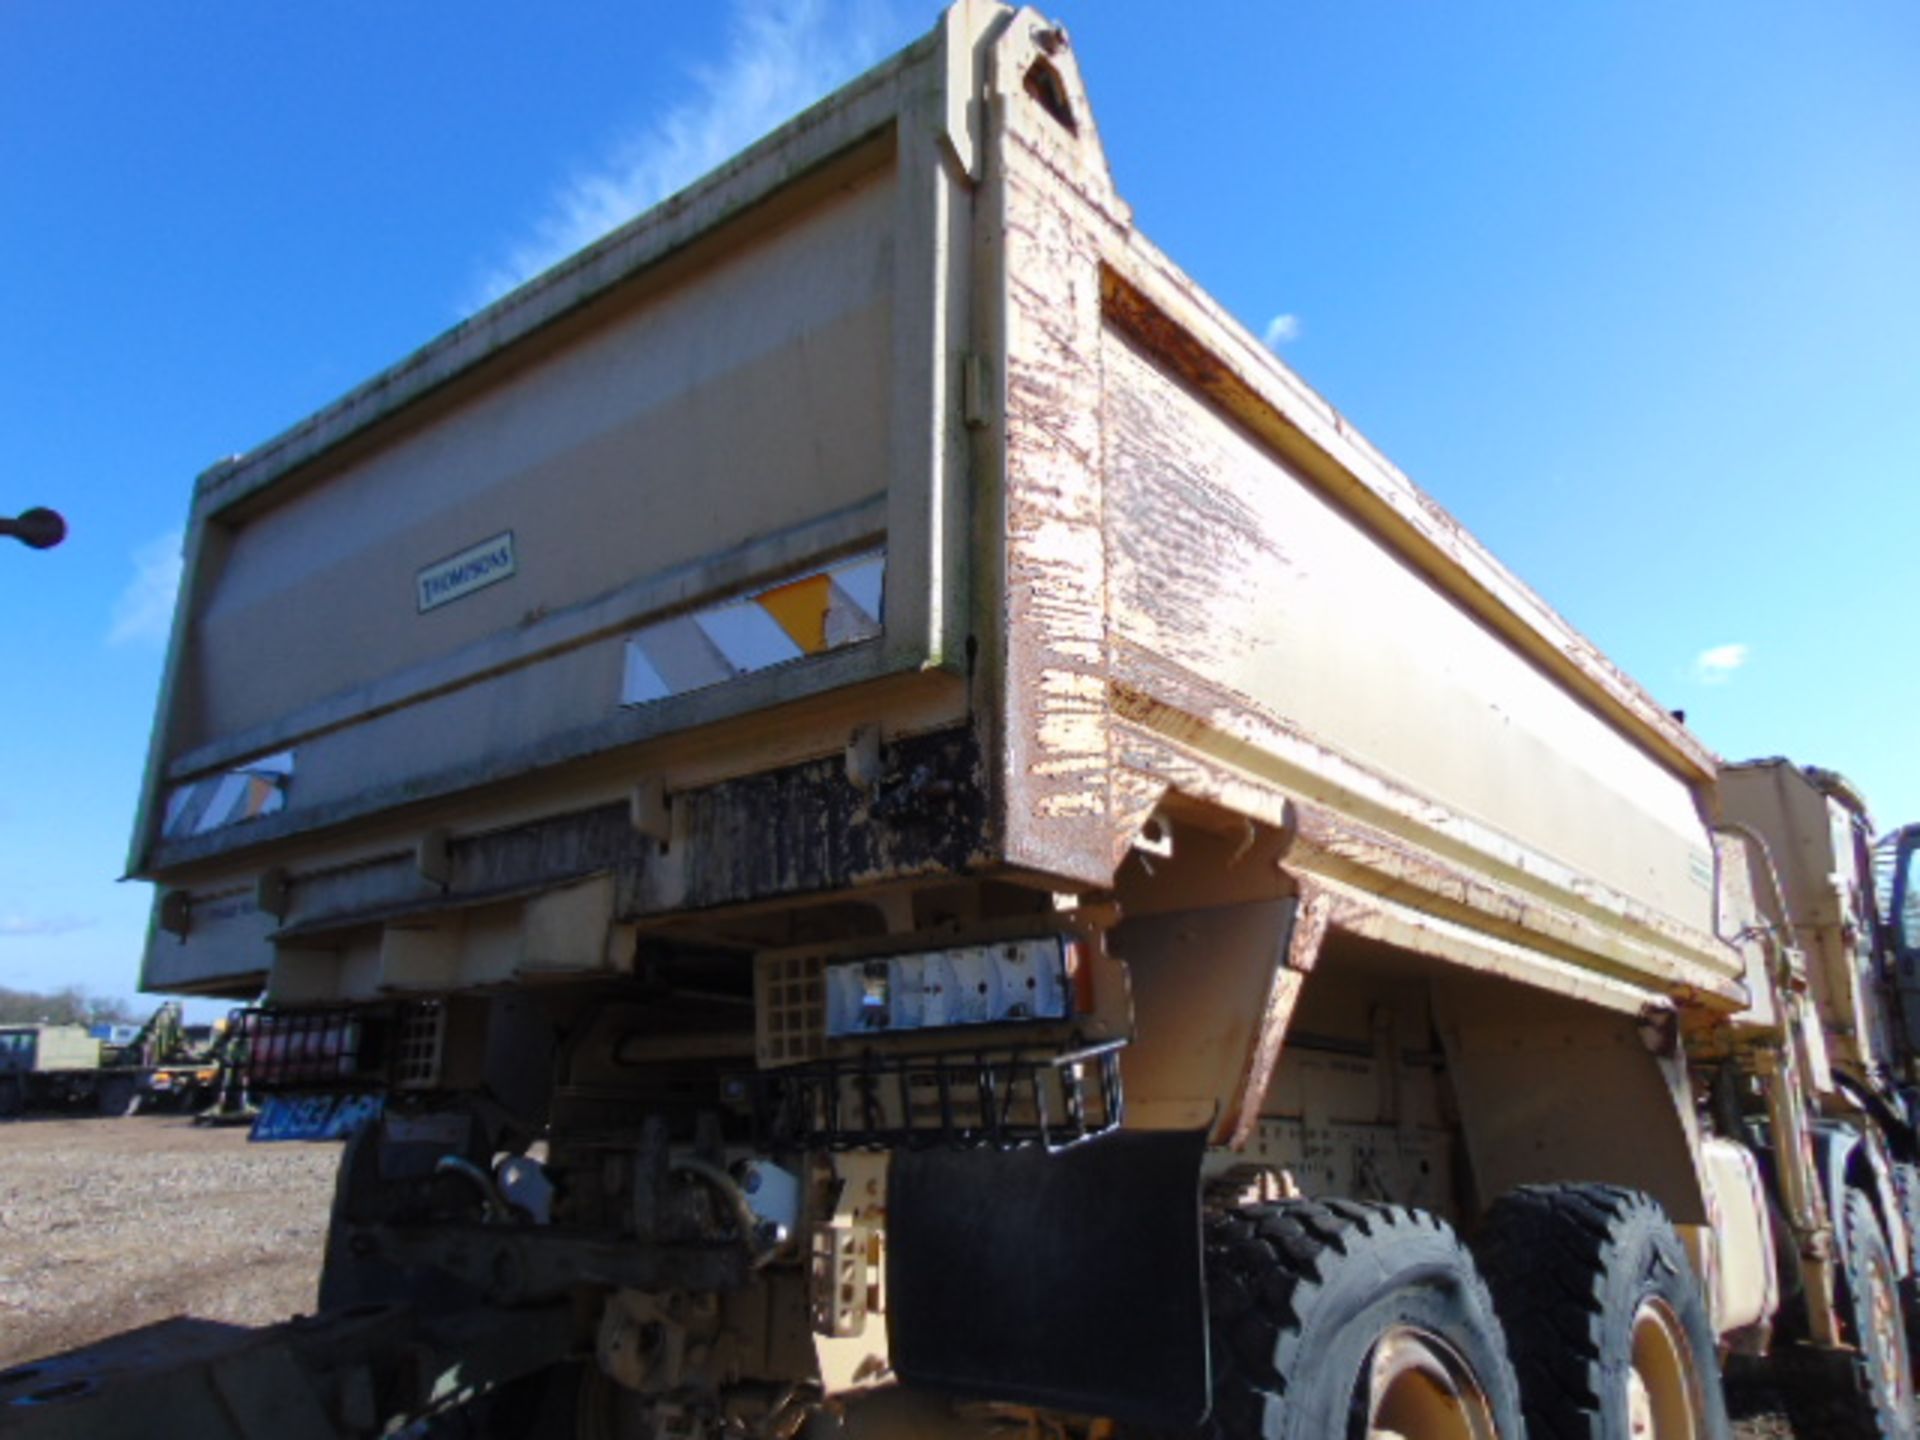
{"type": "Point", "coordinates": [1906, 1187]}
{"type": "Point", "coordinates": [1832, 1393]}
{"type": "Point", "coordinates": [1548, 1252]}
{"type": "Point", "coordinates": [1266, 1265]}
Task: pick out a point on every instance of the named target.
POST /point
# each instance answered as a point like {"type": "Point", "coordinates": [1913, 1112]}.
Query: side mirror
{"type": "Point", "coordinates": [1903, 908]}
{"type": "Point", "coordinates": [38, 528]}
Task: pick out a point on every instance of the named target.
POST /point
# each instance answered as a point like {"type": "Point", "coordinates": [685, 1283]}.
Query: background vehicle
{"type": "Point", "coordinates": [861, 800]}
{"type": "Point", "coordinates": [191, 1072]}
{"type": "Point", "coordinates": [63, 1066]}
{"type": "Point", "coordinates": [45, 1067]}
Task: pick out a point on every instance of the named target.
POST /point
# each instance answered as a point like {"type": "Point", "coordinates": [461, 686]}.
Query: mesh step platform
{"type": "Point", "coordinates": [1001, 1100]}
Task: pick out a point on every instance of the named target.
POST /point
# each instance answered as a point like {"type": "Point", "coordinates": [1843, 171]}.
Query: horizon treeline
{"type": "Point", "coordinates": [70, 1005]}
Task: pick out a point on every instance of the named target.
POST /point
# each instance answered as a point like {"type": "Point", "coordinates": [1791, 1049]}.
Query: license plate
{"type": "Point", "coordinates": [313, 1117]}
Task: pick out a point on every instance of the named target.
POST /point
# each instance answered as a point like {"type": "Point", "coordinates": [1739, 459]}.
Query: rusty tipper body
{"type": "Point", "coordinates": [869, 812]}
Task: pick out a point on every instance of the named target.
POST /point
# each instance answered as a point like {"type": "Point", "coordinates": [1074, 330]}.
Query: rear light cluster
{"type": "Point", "coordinates": [995, 984]}
{"type": "Point", "coordinates": [339, 1049]}
{"type": "Point", "coordinates": [291, 1049]}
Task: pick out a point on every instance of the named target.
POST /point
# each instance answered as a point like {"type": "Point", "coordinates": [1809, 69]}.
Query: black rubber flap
{"type": "Point", "coordinates": [1072, 1281]}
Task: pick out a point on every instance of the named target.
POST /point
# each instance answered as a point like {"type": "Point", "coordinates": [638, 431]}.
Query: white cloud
{"type": "Point", "coordinates": [781, 56]}
{"type": "Point", "coordinates": [26, 927]}
{"type": "Point", "coordinates": [1280, 329]}
{"type": "Point", "coordinates": [144, 611]}
{"type": "Point", "coordinates": [1715, 666]}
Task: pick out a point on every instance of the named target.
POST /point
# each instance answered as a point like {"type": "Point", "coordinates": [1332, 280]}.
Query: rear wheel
{"type": "Point", "coordinates": [1906, 1182]}
{"type": "Point", "coordinates": [1341, 1321]}
{"type": "Point", "coordinates": [546, 1405]}
{"type": "Point", "coordinates": [1864, 1392]}
{"type": "Point", "coordinates": [117, 1095]}
{"type": "Point", "coordinates": [1608, 1328]}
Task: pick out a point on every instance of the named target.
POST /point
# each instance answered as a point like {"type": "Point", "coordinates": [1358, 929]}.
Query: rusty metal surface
{"type": "Point", "coordinates": [1308, 932]}
{"type": "Point", "coordinates": [791, 831]}
{"type": "Point", "coordinates": [1234, 584]}
{"type": "Point", "coordinates": [1152, 301]}
{"type": "Point", "coordinates": [1368, 830]}
{"type": "Point", "coordinates": [809, 828]}
{"type": "Point", "coordinates": [1095, 683]}
{"type": "Point", "coordinates": [1055, 614]}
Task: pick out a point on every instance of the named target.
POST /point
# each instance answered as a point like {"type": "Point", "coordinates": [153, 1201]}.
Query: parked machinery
{"type": "Point", "coordinates": [60, 1067]}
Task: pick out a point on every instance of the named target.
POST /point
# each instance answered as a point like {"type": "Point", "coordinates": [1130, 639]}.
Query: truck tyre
{"type": "Point", "coordinates": [12, 1097]}
{"type": "Point", "coordinates": [1336, 1319]}
{"type": "Point", "coordinates": [117, 1095]}
{"type": "Point", "coordinates": [1906, 1186]}
{"type": "Point", "coordinates": [1609, 1330]}
{"type": "Point", "coordinates": [1864, 1392]}
{"type": "Point", "coordinates": [546, 1405]}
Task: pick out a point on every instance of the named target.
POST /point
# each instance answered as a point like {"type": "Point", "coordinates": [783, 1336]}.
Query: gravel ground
{"type": "Point", "coordinates": [1756, 1413]}
{"type": "Point", "coordinates": [109, 1224]}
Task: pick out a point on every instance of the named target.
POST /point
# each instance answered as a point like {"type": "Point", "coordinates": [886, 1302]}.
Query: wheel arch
{"type": "Point", "coordinates": [1554, 1091]}
{"type": "Point", "coordinates": [1847, 1159]}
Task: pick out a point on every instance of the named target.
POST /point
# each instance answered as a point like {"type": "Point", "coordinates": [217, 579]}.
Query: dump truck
{"type": "Point", "coordinates": [872, 821]}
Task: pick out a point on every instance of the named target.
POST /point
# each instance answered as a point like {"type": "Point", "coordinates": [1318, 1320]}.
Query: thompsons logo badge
{"type": "Point", "coordinates": [474, 568]}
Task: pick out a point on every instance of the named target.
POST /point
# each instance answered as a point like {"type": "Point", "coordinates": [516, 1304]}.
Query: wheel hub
{"type": "Point", "coordinates": [1663, 1388]}
{"type": "Point", "coordinates": [1887, 1337]}
{"type": "Point", "coordinates": [1419, 1388]}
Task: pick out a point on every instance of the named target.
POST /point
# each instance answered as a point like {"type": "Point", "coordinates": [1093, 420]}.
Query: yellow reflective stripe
{"type": "Point", "coordinates": [800, 609]}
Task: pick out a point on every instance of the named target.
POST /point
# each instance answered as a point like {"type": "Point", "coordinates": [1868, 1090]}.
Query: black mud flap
{"type": "Point", "coordinates": [1071, 1281]}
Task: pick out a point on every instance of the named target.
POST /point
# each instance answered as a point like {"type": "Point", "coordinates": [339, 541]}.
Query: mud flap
{"type": "Point", "coordinates": [1072, 1281]}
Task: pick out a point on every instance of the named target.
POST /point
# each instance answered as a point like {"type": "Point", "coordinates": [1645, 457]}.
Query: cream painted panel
{"type": "Point", "coordinates": [743, 399]}
{"type": "Point", "coordinates": [500, 716]}
{"type": "Point", "coordinates": [1225, 561]}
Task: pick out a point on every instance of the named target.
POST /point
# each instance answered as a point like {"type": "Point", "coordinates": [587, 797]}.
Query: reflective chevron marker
{"type": "Point", "coordinates": [839, 605]}
{"type": "Point", "coordinates": [255, 788]}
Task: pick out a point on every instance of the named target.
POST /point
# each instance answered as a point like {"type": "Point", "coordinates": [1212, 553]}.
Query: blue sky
{"type": "Point", "coordinates": [1634, 289]}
